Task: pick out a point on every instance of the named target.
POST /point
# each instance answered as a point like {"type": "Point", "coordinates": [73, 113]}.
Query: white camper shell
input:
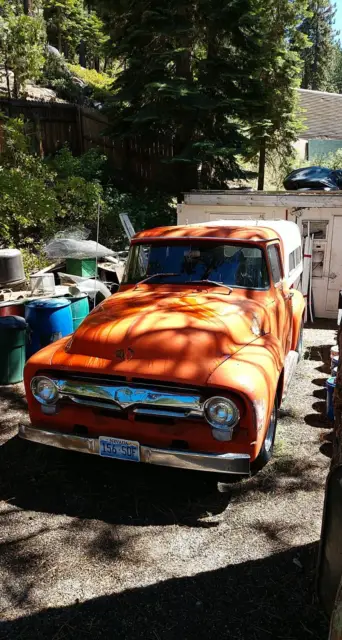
{"type": "Point", "coordinates": [288, 232]}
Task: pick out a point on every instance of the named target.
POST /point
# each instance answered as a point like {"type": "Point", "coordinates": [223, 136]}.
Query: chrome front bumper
{"type": "Point", "coordinates": [236, 463]}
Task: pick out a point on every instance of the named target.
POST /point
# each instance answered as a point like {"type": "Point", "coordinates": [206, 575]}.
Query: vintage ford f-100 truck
{"type": "Point", "coordinates": [187, 364]}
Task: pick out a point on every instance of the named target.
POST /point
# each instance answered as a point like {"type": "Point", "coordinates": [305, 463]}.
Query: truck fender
{"type": "Point", "coordinates": [298, 306]}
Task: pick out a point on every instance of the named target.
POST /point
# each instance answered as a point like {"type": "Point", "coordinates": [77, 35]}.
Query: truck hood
{"type": "Point", "coordinates": [165, 335]}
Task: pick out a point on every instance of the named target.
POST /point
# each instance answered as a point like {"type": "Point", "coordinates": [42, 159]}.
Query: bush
{"type": "Point", "coordinates": [42, 196]}
{"type": "Point", "coordinates": [98, 83]}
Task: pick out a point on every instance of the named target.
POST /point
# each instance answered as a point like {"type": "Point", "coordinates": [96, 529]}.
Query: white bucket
{"type": "Point", "coordinates": [334, 352]}
{"type": "Point", "coordinates": [43, 284]}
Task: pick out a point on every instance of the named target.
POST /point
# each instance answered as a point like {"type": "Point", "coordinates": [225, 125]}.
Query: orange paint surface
{"type": "Point", "coordinates": [191, 335]}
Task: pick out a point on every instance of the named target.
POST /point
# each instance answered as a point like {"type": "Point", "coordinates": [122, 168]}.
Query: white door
{"type": "Point", "coordinates": [335, 266]}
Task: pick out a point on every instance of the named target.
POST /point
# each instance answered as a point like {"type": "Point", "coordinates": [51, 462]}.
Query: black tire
{"type": "Point", "coordinates": [266, 450]}
{"type": "Point", "coordinates": [300, 341]}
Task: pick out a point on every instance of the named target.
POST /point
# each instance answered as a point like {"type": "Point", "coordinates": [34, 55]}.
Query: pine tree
{"type": "Point", "coordinates": [318, 57]}
{"type": "Point", "coordinates": [186, 76]}
{"type": "Point", "coordinates": [335, 83]}
{"type": "Point", "coordinates": [274, 122]}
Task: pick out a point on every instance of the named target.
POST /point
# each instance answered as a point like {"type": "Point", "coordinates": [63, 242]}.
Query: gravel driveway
{"type": "Point", "coordinates": [96, 549]}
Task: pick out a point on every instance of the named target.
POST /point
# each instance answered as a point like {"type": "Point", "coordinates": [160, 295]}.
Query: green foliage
{"type": "Point", "coordinates": [75, 30]}
{"type": "Point", "coordinates": [187, 75]}
{"type": "Point", "coordinates": [332, 160]}
{"type": "Point", "coordinates": [98, 83]}
{"type": "Point", "coordinates": [26, 204]}
{"type": "Point", "coordinates": [40, 197]}
{"type": "Point", "coordinates": [318, 56]}
{"type": "Point", "coordinates": [274, 122]}
{"type": "Point", "coordinates": [146, 210]}
{"type": "Point", "coordinates": [336, 77]}
{"type": "Point", "coordinates": [22, 42]}
{"type": "Point", "coordinates": [64, 21]}
{"type": "Point", "coordinates": [34, 257]}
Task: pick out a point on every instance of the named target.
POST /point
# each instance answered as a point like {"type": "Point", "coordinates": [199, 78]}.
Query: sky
{"type": "Point", "coordinates": [338, 19]}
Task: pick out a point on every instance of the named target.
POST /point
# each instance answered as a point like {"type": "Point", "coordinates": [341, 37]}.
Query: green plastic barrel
{"type": "Point", "coordinates": [79, 309]}
{"type": "Point", "coordinates": [12, 349]}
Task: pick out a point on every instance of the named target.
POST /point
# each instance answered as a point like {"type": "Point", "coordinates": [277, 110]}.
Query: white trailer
{"type": "Point", "coordinates": [319, 213]}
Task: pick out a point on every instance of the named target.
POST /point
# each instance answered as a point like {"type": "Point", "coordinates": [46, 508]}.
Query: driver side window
{"type": "Point", "coordinates": [274, 258]}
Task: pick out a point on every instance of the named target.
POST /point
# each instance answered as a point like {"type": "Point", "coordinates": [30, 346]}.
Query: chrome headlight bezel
{"type": "Point", "coordinates": [232, 415]}
{"type": "Point", "coordinates": [47, 400]}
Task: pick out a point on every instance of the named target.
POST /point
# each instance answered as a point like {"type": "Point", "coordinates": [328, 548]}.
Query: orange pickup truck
{"type": "Point", "coordinates": [188, 363]}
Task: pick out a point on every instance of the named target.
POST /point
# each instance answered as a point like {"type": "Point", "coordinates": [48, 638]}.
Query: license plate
{"type": "Point", "coordinates": [119, 449]}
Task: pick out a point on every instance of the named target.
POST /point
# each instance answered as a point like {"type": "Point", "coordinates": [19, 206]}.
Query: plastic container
{"type": "Point", "coordinates": [12, 347]}
{"type": "Point", "coordinates": [334, 352]}
{"type": "Point", "coordinates": [48, 320]}
{"type": "Point", "coordinates": [85, 267]}
{"type": "Point", "coordinates": [330, 385]}
{"type": "Point", "coordinates": [11, 267]}
{"type": "Point", "coordinates": [12, 308]}
{"type": "Point", "coordinates": [43, 285]}
{"type": "Point", "coordinates": [79, 309]}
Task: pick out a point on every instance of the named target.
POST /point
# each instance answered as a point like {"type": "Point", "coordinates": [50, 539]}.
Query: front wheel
{"type": "Point", "coordinates": [266, 450]}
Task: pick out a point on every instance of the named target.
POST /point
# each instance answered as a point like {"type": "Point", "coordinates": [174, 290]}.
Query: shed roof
{"type": "Point", "coordinates": [322, 114]}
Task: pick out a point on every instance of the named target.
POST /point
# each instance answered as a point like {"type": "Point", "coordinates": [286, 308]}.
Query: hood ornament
{"type": "Point", "coordinates": [121, 354]}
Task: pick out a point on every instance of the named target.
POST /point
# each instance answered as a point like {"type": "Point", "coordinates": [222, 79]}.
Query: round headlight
{"type": "Point", "coordinates": [221, 413]}
{"type": "Point", "coordinates": [44, 390]}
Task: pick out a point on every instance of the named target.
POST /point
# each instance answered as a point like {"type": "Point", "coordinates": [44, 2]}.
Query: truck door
{"type": "Point", "coordinates": [281, 306]}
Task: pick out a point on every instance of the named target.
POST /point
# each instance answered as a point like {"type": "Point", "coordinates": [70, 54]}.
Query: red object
{"type": "Point", "coordinates": [12, 308]}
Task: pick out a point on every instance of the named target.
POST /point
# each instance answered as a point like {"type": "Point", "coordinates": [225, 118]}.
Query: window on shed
{"type": "Point", "coordinates": [274, 258]}
{"type": "Point", "coordinates": [292, 260]}
{"type": "Point", "coordinates": [295, 258]}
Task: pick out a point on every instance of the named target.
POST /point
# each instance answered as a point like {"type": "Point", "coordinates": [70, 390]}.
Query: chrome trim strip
{"type": "Point", "coordinates": [236, 463]}
{"type": "Point", "coordinates": [121, 396]}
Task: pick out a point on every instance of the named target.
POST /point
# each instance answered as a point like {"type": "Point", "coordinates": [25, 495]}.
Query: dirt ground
{"type": "Point", "coordinates": [91, 548]}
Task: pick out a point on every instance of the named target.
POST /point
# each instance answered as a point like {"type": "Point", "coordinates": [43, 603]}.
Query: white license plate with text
{"type": "Point", "coordinates": [119, 449]}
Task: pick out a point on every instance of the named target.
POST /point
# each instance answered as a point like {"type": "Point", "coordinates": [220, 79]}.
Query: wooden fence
{"type": "Point", "coordinates": [57, 124]}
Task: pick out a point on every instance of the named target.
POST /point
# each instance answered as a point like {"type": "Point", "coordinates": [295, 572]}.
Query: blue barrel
{"type": "Point", "coordinates": [330, 385]}
{"type": "Point", "coordinates": [79, 309]}
{"type": "Point", "coordinates": [49, 320]}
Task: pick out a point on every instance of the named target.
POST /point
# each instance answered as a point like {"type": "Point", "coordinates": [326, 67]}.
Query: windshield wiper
{"type": "Point", "coordinates": [207, 281]}
{"type": "Point", "coordinates": [156, 275]}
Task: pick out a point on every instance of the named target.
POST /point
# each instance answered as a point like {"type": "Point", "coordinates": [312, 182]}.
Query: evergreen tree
{"type": "Point", "coordinates": [274, 122]}
{"type": "Point", "coordinates": [318, 56]}
{"type": "Point", "coordinates": [64, 22]}
{"type": "Point", "coordinates": [187, 76]}
{"type": "Point", "coordinates": [336, 76]}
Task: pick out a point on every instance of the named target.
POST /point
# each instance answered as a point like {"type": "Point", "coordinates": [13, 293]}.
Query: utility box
{"type": "Point", "coordinates": [318, 213]}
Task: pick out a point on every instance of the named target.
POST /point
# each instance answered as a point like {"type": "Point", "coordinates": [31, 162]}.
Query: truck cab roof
{"type": "Point", "coordinates": [285, 231]}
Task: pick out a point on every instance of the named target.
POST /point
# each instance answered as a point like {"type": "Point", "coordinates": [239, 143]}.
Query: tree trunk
{"type": "Point", "coordinates": [262, 163]}
{"type": "Point", "coordinates": [185, 173]}
{"type": "Point", "coordinates": [8, 81]}
{"type": "Point", "coordinates": [82, 54]}
{"type": "Point", "coordinates": [16, 88]}
{"type": "Point", "coordinates": [59, 30]}
{"type": "Point", "coordinates": [28, 7]}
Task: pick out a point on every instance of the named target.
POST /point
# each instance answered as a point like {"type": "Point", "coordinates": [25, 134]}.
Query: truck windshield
{"type": "Point", "coordinates": [235, 265]}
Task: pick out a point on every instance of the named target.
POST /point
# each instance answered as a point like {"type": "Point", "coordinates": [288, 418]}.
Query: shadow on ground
{"type": "Point", "coordinates": [44, 479]}
{"type": "Point", "coordinates": [267, 598]}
